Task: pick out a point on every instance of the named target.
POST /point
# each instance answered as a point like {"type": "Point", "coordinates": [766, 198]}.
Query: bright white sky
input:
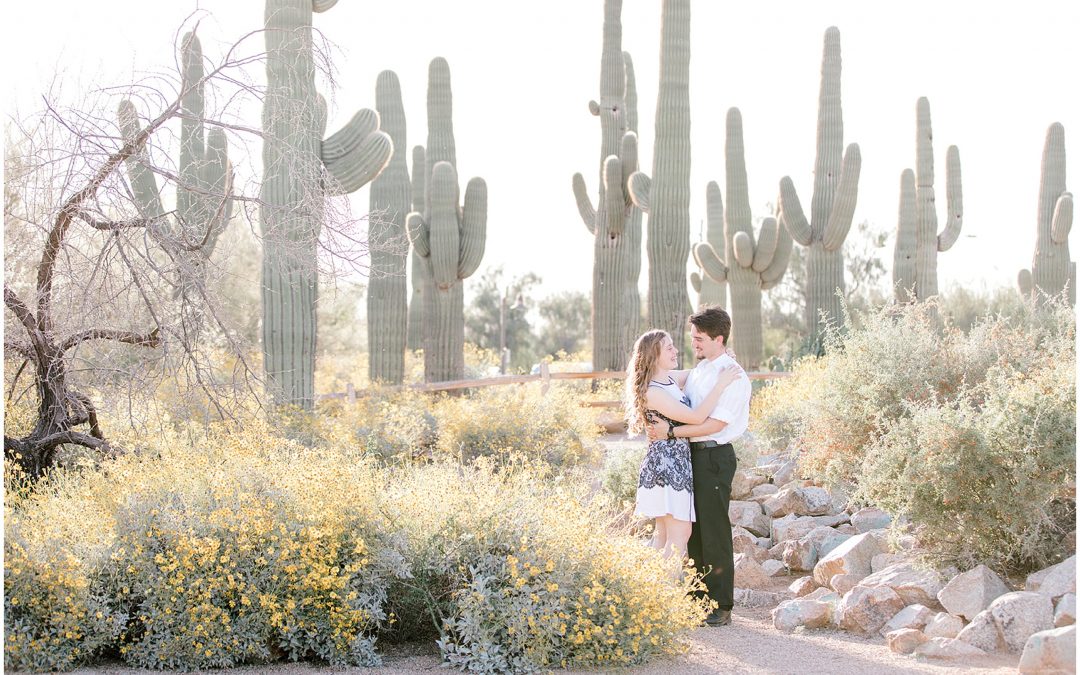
{"type": "Point", "coordinates": [523, 74]}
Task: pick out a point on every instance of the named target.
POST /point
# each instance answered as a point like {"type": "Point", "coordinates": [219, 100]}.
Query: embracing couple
{"type": "Point", "coordinates": [691, 417]}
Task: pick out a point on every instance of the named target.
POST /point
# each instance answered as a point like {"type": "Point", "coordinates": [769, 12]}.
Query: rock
{"type": "Point", "coordinates": [946, 648]}
{"type": "Point", "coordinates": [850, 557]}
{"type": "Point", "coordinates": [800, 555]}
{"type": "Point", "coordinates": [866, 610]}
{"type": "Point", "coordinates": [847, 528]}
{"type": "Point", "coordinates": [944, 625]}
{"type": "Point", "coordinates": [792, 527]}
{"type": "Point", "coordinates": [764, 490]}
{"type": "Point", "coordinates": [883, 560]}
{"type": "Point", "coordinates": [743, 482]}
{"type": "Point", "coordinates": [776, 551]}
{"type": "Point", "coordinates": [842, 583]}
{"type": "Point", "coordinates": [808, 501]}
{"type": "Point", "coordinates": [781, 504]}
{"type": "Point", "coordinates": [983, 632]}
{"type": "Point", "coordinates": [752, 597]}
{"type": "Point", "coordinates": [904, 640]}
{"type": "Point", "coordinates": [912, 616]}
{"type": "Point", "coordinates": [790, 614]}
{"type": "Point", "coordinates": [1050, 651]}
{"type": "Point", "coordinates": [1054, 581]}
{"type": "Point", "coordinates": [744, 542]}
{"type": "Point", "coordinates": [773, 568]}
{"type": "Point", "coordinates": [748, 573]}
{"type": "Point", "coordinates": [832, 520]}
{"type": "Point", "coordinates": [870, 518]}
{"type": "Point", "coordinates": [1065, 612]}
{"type": "Point", "coordinates": [1020, 615]}
{"type": "Point", "coordinates": [802, 586]}
{"type": "Point", "coordinates": [825, 539]}
{"type": "Point", "coordinates": [824, 595]}
{"type": "Point", "coordinates": [969, 593]}
{"type": "Point", "coordinates": [785, 472]}
{"type": "Point", "coordinates": [914, 585]}
{"type": "Point", "coordinates": [748, 515]}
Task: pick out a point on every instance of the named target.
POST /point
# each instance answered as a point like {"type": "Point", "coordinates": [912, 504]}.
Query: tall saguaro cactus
{"type": "Point", "coordinates": [616, 233]}
{"type": "Point", "coordinates": [1051, 268]}
{"type": "Point", "coordinates": [390, 194]}
{"type": "Point", "coordinates": [832, 207]}
{"type": "Point", "coordinates": [450, 239]}
{"type": "Point", "coordinates": [917, 239]}
{"type": "Point", "coordinates": [710, 289]}
{"type": "Point", "coordinates": [300, 169]}
{"type": "Point", "coordinates": [665, 197]}
{"type": "Point", "coordinates": [203, 205]}
{"type": "Point", "coordinates": [751, 266]}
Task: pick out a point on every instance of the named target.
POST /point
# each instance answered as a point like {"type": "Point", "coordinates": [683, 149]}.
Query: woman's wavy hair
{"type": "Point", "coordinates": [638, 371]}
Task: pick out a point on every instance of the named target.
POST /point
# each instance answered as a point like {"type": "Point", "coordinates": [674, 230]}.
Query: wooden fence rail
{"type": "Point", "coordinates": [545, 376]}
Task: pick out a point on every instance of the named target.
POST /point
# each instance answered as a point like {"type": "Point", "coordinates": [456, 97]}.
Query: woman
{"type": "Point", "coordinates": [665, 482]}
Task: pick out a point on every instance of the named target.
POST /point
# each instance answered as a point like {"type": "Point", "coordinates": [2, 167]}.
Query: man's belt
{"type": "Point", "coordinates": [705, 445]}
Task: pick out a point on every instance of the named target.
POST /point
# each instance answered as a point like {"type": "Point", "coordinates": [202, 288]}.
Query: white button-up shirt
{"type": "Point", "coordinates": [734, 404]}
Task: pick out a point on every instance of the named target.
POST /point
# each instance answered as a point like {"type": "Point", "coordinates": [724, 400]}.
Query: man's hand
{"type": "Point", "coordinates": [658, 431]}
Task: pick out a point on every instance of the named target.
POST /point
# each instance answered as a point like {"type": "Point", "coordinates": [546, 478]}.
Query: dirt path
{"type": "Point", "coordinates": [749, 645]}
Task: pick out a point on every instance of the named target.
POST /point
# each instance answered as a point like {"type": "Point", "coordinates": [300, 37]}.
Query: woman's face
{"type": "Point", "coordinates": [669, 356]}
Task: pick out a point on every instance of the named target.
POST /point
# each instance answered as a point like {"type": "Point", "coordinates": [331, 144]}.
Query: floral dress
{"type": "Point", "coordinates": [666, 481]}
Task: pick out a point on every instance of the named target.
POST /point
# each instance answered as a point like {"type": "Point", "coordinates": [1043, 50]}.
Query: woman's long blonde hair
{"type": "Point", "coordinates": [638, 372]}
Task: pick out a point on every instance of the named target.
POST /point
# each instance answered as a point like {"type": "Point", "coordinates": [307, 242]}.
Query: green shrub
{"type": "Point", "coordinates": [620, 471]}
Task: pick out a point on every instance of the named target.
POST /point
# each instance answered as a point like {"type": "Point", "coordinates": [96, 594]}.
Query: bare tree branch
{"type": "Point", "coordinates": [151, 339]}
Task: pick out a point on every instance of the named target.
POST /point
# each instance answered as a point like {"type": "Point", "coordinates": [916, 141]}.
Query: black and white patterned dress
{"type": "Point", "coordinates": [666, 481]}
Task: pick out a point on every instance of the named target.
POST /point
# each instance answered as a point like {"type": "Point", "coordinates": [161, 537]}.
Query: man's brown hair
{"type": "Point", "coordinates": [713, 321]}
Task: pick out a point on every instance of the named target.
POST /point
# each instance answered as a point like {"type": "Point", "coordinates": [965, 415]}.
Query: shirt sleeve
{"type": "Point", "coordinates": [733, 402]}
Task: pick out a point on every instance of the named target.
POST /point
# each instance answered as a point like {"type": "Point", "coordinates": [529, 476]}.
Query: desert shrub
{"type": "Point", "coordinates": [522, 573]}
{"type": "Point", "coordinates": [777, 409]}
{"type": "Point", "coordinates": [619, 473]}
{"type": "Point", "coordinates": [504, 421]}
{"type": "Point", "coordinates": [990, 477]}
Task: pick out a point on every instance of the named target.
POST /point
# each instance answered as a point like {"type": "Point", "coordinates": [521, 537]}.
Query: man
{"type": "Point", "coordinates": [712, 457]}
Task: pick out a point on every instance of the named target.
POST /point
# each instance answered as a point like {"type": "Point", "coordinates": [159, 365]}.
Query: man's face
{"type": "Point", "coordinates": [704, 346]}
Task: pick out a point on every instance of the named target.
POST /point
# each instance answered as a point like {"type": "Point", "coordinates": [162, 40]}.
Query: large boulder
{"type": "Point", "coordinates": [866, 610]}
{"type": "Point", "coordinates": [912, 616]}
{"type": "Point", "coordinates": [825, 539]}
{"type": "Point", "coordinates": [1020, 615]}
{"type": "Point", "coordinates": [744, 481]}
{"type": "Point", "coordinates": [969, 593]}
{"type": "Point", "coordinates": [913, 584]}
{"type": "Point", "coordinates": [1054, 581]}
{"type": "Point", "coordinates": [802, 586]}
{"type": "Point", "coordinates": [805, 501]}
{"type": "Point", "coordinates": [944, 625]}
{"type": "Point", "coordinates": [785, 472]}
{"type": "Point", "coordinates": [870, 518]}
{"type": "Point", "coordinates": [748, 515]}
{"type": "Point", "coordinates": [1050, 651]}
{"type": "Point", "coordinates": [883, 560]}
{"type": "Point", "coordinates": [749, 574]}
{"type": "Point", "coordinates": [852, 556]}
{"type": "Point", "coordinates": [742, 541]}
{"type": "Point", "coordinates": [842, 583]}
{"type": "Point", "coordinates": [790, 614]}
{"type": "Point", "coordinates": [792, 526]}
{"type": "Point", "coordinates": [800, 555]}
{"type": "Point", "coordinates": [983, 632]}
{"type": "Point", "coordinates": [773, 568]}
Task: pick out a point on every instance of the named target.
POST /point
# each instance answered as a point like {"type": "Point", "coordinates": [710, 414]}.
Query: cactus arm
{"type": "Point", "coordinates": [628, 156]}
{"type": "Point", "coordinates": [444, 233]}
{"type": "Point", "coordinates": [1063, 218]}
{"type": "Point", "coordinates": [216, 177]}
{"type": "Point", "coordinates": [419, 234]}
{"type": "Point", "coordinates": [639, 187]}
{"type": "Point", "coordinates": [847, 193]}
{"type": "Point", "coordinates": [743, 248]}
{"type": "Point", "coordinates": [1025, 283]}
{"type": "Point", "coordinates": [714, 218]}
{"type": "Point", "coordinates": [614, 212]}
{"type": "Point", "coordinates": [143, 183]}
{"type": "Point", "coordinates": [320, 6]}
{"type": "Point", "coordinates": [906, 241]}
{"type": "Point", "coordinates": [771, 275]}
{"type": "Point", "coordinates": [766, 245]}
{"type": "Point", "coordinates": [473, 227]}
{"type": "Point", "coordinates": [695, 281]}
{"type": "Point", "coordinates": [792, 213]}
{"type": "Point", "coordinates": [630, 100]}
{"type": "Point", "coordinates": [707, 259]}
{"type": "Point", "coordinates": [584, 203]}
{"type": "Point", "coordinates": [358, 152]}
{"type": "Point", "coordinates": [188, 200]}
{"type": "Point", "coordinates": [954, 200]}
{"type": "Point", "coordinates": [418, 178]}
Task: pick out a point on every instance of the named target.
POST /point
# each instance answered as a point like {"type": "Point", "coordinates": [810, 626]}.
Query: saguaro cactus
{"type": "Point", "coordinates": [203, 205]}
{"type": "Point", "coordinates": [450, 239]}
{"type": "Point", "coordinates": [417, 270]}
{"type": "Point", "coordinates": [1051, 268]}
{"type": "Point", "coordinates": [832, 207]}
{"type": "Point", "coordinates": [751, 267]}
{"type": "Point", "coordinates": [616, 233]}
{"type": "Point", "coordinates": [390, 195]}
{"type": "Point", "coordinates": [299, 170]}
{"type": "Point", "coordinates": [666, 196]}
{"type": "Point", "coordinates": [710, 290]}
{"type": "Point", "coordinates": [917, 239]}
